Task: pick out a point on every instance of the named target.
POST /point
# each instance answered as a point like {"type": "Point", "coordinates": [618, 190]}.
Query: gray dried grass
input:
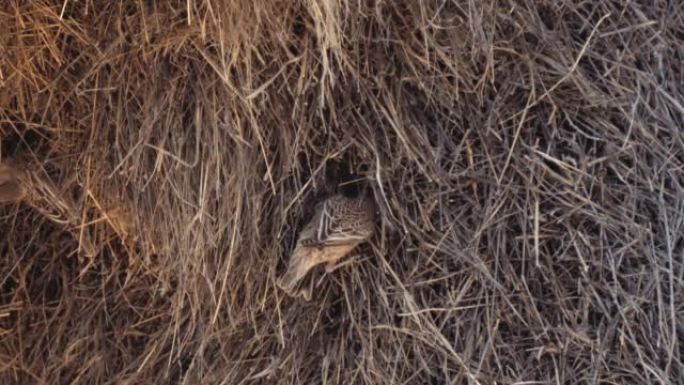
{"type": "Point", "coordinates": [526, 156]}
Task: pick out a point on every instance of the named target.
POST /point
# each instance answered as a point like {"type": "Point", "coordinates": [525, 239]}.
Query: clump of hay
{"type": "Point", "coordinates": [526, 158]}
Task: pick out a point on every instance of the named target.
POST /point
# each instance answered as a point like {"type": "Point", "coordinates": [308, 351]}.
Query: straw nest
{"type": "Point", "coordinates": [527, 159]}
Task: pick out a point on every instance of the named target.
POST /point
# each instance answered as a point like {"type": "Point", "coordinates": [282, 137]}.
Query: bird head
{"type": "Point", "coordinates": [10, 188]}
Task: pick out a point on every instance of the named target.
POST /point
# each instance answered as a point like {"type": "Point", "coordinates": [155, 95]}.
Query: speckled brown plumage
{"type": "Point", "coordinates": [339, 225]}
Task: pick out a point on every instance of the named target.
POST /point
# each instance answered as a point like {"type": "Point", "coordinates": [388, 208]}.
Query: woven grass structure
{"type": "Point", "coordinates": [526, 158]}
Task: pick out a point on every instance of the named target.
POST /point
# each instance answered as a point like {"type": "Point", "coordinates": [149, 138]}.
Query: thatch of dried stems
{"type": "Point", "coordinates": [527, 158]}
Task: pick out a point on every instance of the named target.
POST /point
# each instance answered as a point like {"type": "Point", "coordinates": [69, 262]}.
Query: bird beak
{"type": "Point", "coordinates": [301, 262]}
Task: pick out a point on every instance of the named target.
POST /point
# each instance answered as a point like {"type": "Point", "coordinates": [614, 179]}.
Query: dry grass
{"type": "Point", "coordinates": [527, 157]}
